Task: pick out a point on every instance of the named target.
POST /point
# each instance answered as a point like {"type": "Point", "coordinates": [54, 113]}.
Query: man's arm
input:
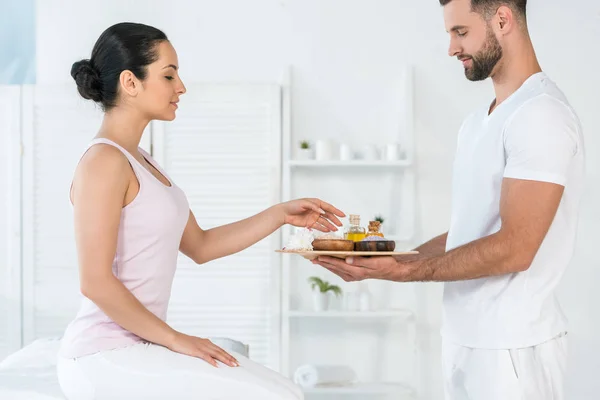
{"type": "Point", "coordinates": [434, 247]}
{"type": "Point", "coordinates": [527, 209]}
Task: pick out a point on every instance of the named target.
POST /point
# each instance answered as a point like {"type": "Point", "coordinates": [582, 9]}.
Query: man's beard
{"type": "Point", "coordinates": [485, 60]}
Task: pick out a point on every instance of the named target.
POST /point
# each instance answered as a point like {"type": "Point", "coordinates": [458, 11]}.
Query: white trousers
{"type": "Point", "coordinates": [532, 373]}
{"type": "Point", "coordinates": [147, 372]}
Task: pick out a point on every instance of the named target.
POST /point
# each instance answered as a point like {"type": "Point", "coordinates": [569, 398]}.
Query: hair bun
{"type": "Point", "coordinates": [87, 79]}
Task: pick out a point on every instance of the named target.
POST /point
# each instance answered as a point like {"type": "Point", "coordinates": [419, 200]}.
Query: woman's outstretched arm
{"type": "Point", "coordinates": [206, 245]}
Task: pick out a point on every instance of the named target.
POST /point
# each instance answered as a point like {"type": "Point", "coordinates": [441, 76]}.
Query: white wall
{"type": "Point", "coordinates": [4, 243]}
{"type": "Point", "coordinates": [10, 339]}
{"type": "Point", "coordinates": [346, 56]}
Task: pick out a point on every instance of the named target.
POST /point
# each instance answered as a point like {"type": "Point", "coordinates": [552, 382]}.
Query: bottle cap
{"type": "Point", "coordinates": [354, 219]}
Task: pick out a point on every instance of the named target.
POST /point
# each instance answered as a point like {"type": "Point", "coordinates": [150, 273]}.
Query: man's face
{"type": "Point", "coordinates": [472, 40]}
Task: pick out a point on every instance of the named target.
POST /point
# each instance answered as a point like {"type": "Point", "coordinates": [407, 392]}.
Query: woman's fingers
{"type": "Point", "coordinates": [211, 353]}
{"type": "Point", "coordinates": [319, 226]}
{"type": "Point", "coordinates": [324, 220]}
{"type": "Point", "coordinates": [326, 223]}
{"type": "Point", "coordinates": [223, 356]}
{"type": "Point", "coordinates": [333, 218]}
{"type": "Point", "coordinates": [329, 208]}
{"type": "Point", "coordinates": [207, 357]}
{"type": "Point", "coordinates": [314, 206]}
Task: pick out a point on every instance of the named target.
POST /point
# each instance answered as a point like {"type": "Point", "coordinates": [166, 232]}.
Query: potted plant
{"type": "Point", "coordinates": [321, 291]}
{"type": "Point", "coordinates": [305, 151]}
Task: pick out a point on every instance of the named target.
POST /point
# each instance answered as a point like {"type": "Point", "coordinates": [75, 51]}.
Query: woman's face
{"type": "Point", "coordinates": [162, 87]}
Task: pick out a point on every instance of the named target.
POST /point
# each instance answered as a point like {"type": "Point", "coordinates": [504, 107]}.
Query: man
{"type": "Point", "coordinates": [517, 183]}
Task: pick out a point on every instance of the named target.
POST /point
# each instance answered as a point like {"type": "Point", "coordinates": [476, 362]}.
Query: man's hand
{"type": "Point", "coordinates": [400, 269]}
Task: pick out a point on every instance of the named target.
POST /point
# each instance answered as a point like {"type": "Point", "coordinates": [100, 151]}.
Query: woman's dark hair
{"type": "Point", "coordinates": [124, 46]}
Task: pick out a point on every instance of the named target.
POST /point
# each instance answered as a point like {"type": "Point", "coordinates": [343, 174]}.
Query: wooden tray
{"type": "Point", "coordinates": [311, 255]}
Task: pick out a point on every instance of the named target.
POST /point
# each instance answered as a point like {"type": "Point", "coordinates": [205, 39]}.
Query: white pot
{"type": "Point", "coordinates": [320, 301]}
{"type": "Point", "coordinates": [324, 150]}
{"type": "Point", "coordinates": [304, 154]}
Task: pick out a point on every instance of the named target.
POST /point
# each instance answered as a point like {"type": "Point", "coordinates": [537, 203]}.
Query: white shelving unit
{"type": "Point", "coordinates": [346, 164]}
{"type": "Point", "coordinates": [406, 314]}
{"type": "Point", "coordinates": [400, 177]}
{"type": "Point", "coordinates": [383, 388]}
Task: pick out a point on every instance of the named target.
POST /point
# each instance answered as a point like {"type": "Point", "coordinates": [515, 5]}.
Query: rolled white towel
{"type": "Point", "coordinates": [324, 375]}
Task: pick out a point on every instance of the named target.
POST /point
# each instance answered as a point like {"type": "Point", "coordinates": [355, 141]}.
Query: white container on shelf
{"type": "Point", "coordinates": [346, 152]}
{"type": "Point", "coordinates": [392, 152]}
{"type": "Point", "coordinates": [320, 301]}
{"type": "Point", "coordinates": [324, 150]}
{"type": "Point", "coordinates": [351, 301]}
{"type": "Point", "coordinates": [305, 154]}
{"type": "Point", "coordinates": [364, 298]}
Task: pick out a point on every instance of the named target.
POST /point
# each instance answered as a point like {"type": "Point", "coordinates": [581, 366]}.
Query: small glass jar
{"type": "Point", "coordinates": [355, 232]}
{"type": "Point", "coordinates": [374, 229]}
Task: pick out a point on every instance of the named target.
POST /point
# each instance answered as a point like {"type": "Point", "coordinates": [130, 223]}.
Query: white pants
{"type": "Point", "coordinates": [147, 371]}
{"type": "Point", "coordinates": [532, 373]}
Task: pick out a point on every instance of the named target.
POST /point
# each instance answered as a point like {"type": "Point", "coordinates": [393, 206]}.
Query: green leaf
{"type": "Point", "coordinates": [336, 290]}
{"type": "Point", "coordinates": [323, 286]}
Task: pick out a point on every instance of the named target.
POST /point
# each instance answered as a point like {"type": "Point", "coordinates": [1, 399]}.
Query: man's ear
{"type": "Point", "coordinates": [504, 20]}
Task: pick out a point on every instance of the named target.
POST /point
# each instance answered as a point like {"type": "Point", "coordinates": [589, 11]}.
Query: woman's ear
{"type": "Point", "coordinates": [129, 83]}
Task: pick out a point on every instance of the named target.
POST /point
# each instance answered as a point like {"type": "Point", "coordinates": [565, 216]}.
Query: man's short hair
{"type": "Point", "coordinates": [488, 8]}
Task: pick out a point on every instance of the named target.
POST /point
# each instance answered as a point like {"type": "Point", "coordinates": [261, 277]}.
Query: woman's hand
{"type": "Point", "coordinates": [201, 348]}
{"type": "Point", "coordinates": [311, 213]}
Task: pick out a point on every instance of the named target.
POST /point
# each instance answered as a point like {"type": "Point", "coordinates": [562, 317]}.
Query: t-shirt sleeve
{"type": "Point", "coordinates": [540, 141]}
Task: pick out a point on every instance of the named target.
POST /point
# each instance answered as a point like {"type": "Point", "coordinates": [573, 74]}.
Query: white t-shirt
{"type": "Point", "coordinates": [533, 135]}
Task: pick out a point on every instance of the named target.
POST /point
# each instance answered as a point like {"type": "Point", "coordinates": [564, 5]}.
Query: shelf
{"type": "Point", "coordinates": [398, 313]}
{"type": "Point", "coordinates": [365, 388]}
{"type": "Point", "coordinates": [354, 163]}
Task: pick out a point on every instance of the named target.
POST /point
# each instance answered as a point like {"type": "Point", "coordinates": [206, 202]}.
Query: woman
{"type": "Point", "coordinates": [130, 222]}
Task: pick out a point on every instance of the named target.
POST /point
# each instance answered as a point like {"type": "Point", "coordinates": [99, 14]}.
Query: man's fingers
{"type": "Point", "coordinates": [359, 261]}
{"type": "Point", "coordinates": [340, 263]}
{"type": "Point", "coordinates": [345, 276]}
{"type": "Point", "coordinates": [342, 275]}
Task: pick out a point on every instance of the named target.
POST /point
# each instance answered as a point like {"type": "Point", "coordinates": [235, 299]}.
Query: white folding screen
{"type": "Point", "coordinates": [224, 150]}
